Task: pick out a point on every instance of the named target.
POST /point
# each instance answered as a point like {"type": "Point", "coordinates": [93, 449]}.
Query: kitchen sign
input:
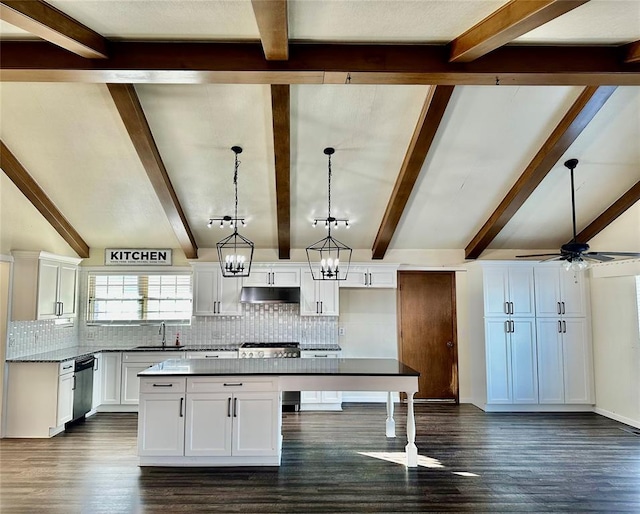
{"type": "Point", "coordinates": [137, 256]}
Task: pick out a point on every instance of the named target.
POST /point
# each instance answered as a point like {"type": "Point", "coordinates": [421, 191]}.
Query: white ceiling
{"type": "Point", "coordinates": [71, 139]}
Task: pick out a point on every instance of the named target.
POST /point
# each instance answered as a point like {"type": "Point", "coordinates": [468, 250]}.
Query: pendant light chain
{"type": "Point", "coordinates": [235, 183]}
{"type": "Point", "coordinates": [329, 196]}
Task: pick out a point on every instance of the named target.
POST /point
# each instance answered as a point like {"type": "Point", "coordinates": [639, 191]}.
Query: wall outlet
{"type": "Point", "coordinates": [341, 331]}
{"type": "Point", "coordinates": [12, 341]}
{"type": "Point", "coordinates": [90, 335]}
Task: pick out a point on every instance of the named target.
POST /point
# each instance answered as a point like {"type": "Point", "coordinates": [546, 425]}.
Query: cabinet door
{"type": "Point", "coordinates": [204, 292]}
{"type": "Point", "coordinates": [229, 295]}
{"type": "Point", "coordinates": [498, 361]}
{"type": "Point", "coordinates": [308, 295]}
{"type": "Point", "coordinates": [578, 369]}
{"type": "Point", "coordinates": [310, 397]}
{"type": "Point", "coordinates": [208, 425]}
{"type": "Point", "coordinates": [65, 398]}
{"type": "Point", "coordinates": [382, 277]}
{"type": "Point", "coordinates": [67, 289]}
{"type": "Point", "coordinates": [258, 277]}
{"type": "Point", "coordinates": [130, 390]}
{"type": "Point", "coordinates": [285, 277]}
{"type": "Point", "coordinates": [355, 277]}
{"type": "Point", "coordinates": [547, 283]}
{"type": "Point", "coordinates": [97, 381]}
{"type": "Point", "coordinates": [47, 289]}
{"type": "Point", "coordinates": [161, 425]}
{"type": "Point", "coordinates": [524, 372]}
{"type": "Point", "coordinates": [521, 293]}
{"type": "Point", "coordinates": [256, 424]}
{"type": "Point", "coordinates": [328, 295]}
{"type": "Point", "coordinates": [110, 373]}
{"type": "Point", "coordinates": [331, 397]}
{"type": "Point", "coordinates": [496, 291]}
{"type": "Point", "coordinates": [573, 296]}
{"type": "Point", "coordinates": [550, 361]}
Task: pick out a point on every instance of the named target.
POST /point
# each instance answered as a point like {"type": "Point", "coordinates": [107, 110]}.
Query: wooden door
{"type": "Point", "coordinates": [427, 331]}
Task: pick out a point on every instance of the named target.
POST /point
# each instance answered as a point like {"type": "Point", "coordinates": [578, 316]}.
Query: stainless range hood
{"type": "Point", "coordinates": [270, 295]}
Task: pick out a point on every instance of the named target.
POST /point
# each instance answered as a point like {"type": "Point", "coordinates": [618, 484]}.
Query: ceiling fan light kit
{"type": "Point", "coordinates": [235, 252]}
{"type": "Point", "coordinates": [577, 255]}
{"type": "Point", "coordinates": [329, 259]}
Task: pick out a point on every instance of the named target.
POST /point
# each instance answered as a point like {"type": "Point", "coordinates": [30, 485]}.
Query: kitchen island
{"type": "Point", "coordinates": [228, 412]}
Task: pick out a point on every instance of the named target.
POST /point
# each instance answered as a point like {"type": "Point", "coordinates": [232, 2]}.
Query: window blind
{"type": "Point", "coordinates": [139, 297]}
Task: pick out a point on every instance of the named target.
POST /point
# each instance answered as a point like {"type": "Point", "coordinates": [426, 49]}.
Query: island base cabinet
{"type": "Point", "coordinates": [210, 428]}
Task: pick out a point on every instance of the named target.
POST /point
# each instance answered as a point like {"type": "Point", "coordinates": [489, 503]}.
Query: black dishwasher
{"type": "Point", "coordinates": [83, 387]}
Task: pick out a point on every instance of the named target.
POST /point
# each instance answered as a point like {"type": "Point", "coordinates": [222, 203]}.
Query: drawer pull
{"type": "Point", "coordinates": [211, 356]}
{"type": "Point", "coordinates": [67, 367]}
{"type": "Point", "coordinates": [239, 384]}
{"type": "Point", "coordinates": [162, 385]}
{"type": "Point", "coordinates": [319, 356]}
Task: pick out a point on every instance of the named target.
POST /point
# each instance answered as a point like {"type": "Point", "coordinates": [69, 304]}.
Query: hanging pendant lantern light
{"type": "Point", "coordinates": [235, 252]}
{"type": "Point", "coordinates": [329, 259]}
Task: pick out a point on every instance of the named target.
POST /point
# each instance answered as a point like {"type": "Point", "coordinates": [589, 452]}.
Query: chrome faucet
{"type": "Point", "coordinates": [163, 332]}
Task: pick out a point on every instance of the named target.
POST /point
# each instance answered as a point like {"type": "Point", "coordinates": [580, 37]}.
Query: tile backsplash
{"type": "Point", "coordinates": [263, 323]}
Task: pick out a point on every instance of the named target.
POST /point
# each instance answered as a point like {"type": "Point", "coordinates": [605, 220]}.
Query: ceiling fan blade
{"type": "Point", "coordinates": [597, 257]}
{"type": "Point", "coordinates": [620, 254]}
{"type": "Point", "coordinates": [556, 258]}
{"type": "Point", "coordinates": [540, 255]}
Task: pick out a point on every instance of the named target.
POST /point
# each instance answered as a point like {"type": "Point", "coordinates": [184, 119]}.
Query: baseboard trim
{"type": "Point", "coordinates": [616, 417]}
{"type": "Point", "coordinates": [537, 408]}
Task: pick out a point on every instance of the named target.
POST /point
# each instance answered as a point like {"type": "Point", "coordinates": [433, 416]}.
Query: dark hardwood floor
{"type": "Point", "coordinates": [523, 463]}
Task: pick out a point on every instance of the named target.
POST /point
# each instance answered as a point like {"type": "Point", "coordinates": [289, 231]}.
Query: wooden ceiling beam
{"type": "Point", "coordinates": [280, 104]}
{"type": "Point", "coordinates": [432, 113]}
{"type": "Point", "coordinates": [512, 20]}
{"type": "Point", "coordinates": [46, 22]}
{"type": "Point", "coordinates": [39, 199]}
{"type": "Point", "coordinates": [128, 105]}
{"type": "Point", "coordinates": [197, 63]}
{"type": "Point", "coordinates": [633, 52]}
{"type": "Point", "coordinates": [273, 25]}
{"type": "Point", "coordinates": [566, 132]}
{"type": "Point", "coordinates": [616, 209]}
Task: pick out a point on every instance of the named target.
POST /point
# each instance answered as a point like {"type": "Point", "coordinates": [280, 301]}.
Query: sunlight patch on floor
{"type": "Point", "coordinates": [423, 460]}
{"type": "Point", "coordinates": [401, 458]}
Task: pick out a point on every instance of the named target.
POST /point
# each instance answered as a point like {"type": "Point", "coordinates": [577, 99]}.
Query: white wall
{"type": "Point", "coordinates": [614, 312]}
{"type": "Point", "coordinates": [616, 348]}
{"type": "Point", "coordinates": [5, 277]}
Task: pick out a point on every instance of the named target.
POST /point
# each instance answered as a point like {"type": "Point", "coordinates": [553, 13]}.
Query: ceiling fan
{"type": "Point", "coordinates": [577, 254]}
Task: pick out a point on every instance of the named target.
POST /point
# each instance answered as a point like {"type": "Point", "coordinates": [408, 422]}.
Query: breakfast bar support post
{"type": "Point", "coordinates": [391, 423]}
{"type": "Point", "coordinates": [411, 448]}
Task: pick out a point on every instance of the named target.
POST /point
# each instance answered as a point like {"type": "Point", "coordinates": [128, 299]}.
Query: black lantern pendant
{"type": "Point", "coordinates": [329, 259]}
{"type": "Point", "coordinates": [235, 252]}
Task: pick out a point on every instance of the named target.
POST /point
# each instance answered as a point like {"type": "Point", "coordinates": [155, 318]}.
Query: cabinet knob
{"type": "Point", "coordinates": [450, 344]}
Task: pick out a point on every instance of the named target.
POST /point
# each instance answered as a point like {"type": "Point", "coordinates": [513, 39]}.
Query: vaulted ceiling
{"type": "Point", "coordinates": [450, 119]}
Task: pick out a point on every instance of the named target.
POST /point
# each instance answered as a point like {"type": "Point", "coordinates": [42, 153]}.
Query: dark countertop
{"type": "Point", "coordinates": [232, 367]}
{"type": "Point", "coordinates": [75, 352]}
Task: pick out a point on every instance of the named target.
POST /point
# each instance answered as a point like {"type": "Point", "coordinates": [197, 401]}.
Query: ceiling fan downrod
{"type": "Point", "coordinates": [571, 164]}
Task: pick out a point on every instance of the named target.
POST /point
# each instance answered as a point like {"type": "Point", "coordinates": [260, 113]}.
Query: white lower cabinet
{"type": "Point", "coordinates": [66, 386]}
{"type": "Point", "coordinates": [213, 354]}
{"type": "Point", "coordinates": [564, 361]}
{"type": "Point", "coordinates": [206, 424]}
{"type": "Point", "coordinates": [110, 372]}
{"type": "Point", "coordinates": [511, 361]}
{"type": "Point", "coordinates": [39, 398]}
{"type": "Point", "coordinates": [238, 424]}
{"type": "Point", "coordinates": [135, 362]}
{"type": "Point", "coordinates": [320, 400]}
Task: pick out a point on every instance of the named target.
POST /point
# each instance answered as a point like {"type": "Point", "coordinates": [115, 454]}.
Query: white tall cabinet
{"type": "Point", "coordinates": [533, 333]}
{"type": "Point", "coordinates": [318, 297]}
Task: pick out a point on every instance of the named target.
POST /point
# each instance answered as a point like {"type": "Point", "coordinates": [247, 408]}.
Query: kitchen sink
{"type": "Point", "coordinates": [160, 348]}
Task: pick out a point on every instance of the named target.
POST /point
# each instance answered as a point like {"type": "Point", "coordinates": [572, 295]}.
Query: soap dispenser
{"type": "Point", "coordinates": [178, 339]}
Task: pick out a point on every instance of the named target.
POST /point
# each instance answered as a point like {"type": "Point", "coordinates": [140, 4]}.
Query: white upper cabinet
{"type": "Point", "coordinates": [371, 276]}
{"type": "Point", "coordinates": [509, 291]}
{"type": "Point", "coordinates": [560, 292]}
{"type": "Point", "coordinates": [318, 297]}
{"type": "Point", "coordinates": [45, 286]}
{"type": "Point", "coordinates": [214, 295]}
{"type": "Point", "coordinates": [266, 275]}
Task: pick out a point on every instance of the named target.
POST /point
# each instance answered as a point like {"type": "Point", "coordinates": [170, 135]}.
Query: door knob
{"type": "Point", "coordinates": [449, 344]}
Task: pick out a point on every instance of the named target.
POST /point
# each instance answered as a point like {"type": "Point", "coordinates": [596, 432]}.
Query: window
{"type": "Point", "coordinates": [139, 297]}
